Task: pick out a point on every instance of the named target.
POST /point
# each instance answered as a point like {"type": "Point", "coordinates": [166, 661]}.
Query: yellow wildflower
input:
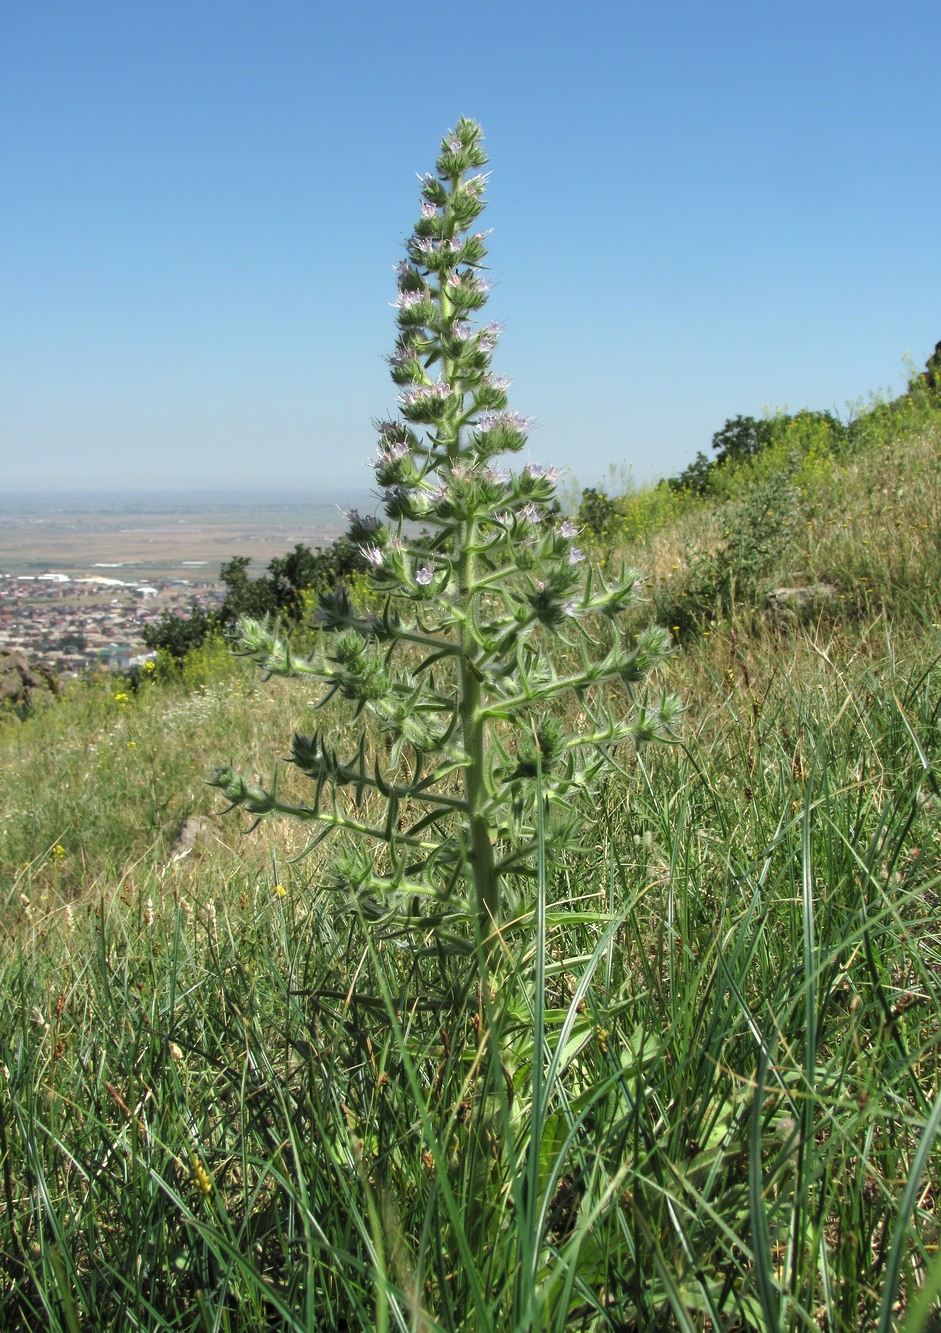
{"type": "Point", "coordinates": [199, 1176]}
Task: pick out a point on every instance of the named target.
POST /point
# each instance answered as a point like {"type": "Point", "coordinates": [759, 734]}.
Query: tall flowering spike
{"type": "Point", "coordinates": [457, 669]}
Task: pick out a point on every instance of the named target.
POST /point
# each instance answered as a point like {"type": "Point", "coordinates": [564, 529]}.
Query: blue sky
{"type": "Point", "coordinates": [699, 210]}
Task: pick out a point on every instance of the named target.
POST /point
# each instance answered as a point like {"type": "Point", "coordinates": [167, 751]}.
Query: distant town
{"type": "Point", "coordinates": [74, 625]}
{"type": "Point", "coordinates": [81, 576]}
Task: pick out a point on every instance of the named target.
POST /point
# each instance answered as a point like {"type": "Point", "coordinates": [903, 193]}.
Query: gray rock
{"type": "Point", "coordinates": [23, 685]}
{"type": "Point", "coordinates": [195, 830]}
{"type": "Point", "coordinates": [800, 604]}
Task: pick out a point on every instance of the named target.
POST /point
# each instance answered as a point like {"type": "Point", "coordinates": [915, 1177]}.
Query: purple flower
{"type": "Point", "coordinates": [576, 556]}
{"type": "Point", "coordinates": [406, 299]}
{"type": "Point", "coordinates": [373, 555]}
{"type": "Point", "coordinates": [391, 454]}
{"type": "Point", "coordinates": [462, 331]}
{"type": "Point", "coordinates": [509, 420]}
{"type": "Point", "coordinates": [529, 513]}
{"type": "Point", "coordinates": [500, 382]}
{"type": "Point", "coordinates": [424, 576]}
{"type": "Point", "coordinates": [422, 392]}
{"type": "Point", "coordinates": [568, 530]}
{"type": "Point", "coordinates": [455, 145]}
{"type": "Point", "coordinates": [367, 522]}
{"type": "Point", "coordinates": [569, 607]}
{"type": "Point", "coordinates": [425, 245]}
{"type": "Point", "coordinates": [455, 244]}
{"type": "Point", "coordinates": [428, 210]}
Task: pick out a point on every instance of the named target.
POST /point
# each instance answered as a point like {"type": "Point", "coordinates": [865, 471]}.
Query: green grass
{"type": "Point", "coordinates": [701, 1093]}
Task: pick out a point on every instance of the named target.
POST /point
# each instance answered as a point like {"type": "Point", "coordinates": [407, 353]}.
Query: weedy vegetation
{"type": "Point", "coordinates": [546, 1006]}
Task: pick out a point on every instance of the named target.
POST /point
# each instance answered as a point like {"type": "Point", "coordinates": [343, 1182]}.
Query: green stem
{"type": "Point", "coordinates": [474, 734]}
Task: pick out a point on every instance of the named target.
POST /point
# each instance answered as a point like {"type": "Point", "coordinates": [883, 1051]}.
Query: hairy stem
{"type": "Point", "coordinates": [474, 735]}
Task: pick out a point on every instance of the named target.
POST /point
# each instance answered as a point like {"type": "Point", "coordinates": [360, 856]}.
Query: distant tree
{"type": "Point", "coordinates": [280, 592]}
{"type": "Point", "coordinates": [245, 596]}
{"type": "Point", "coordinates": [597, 514]}
{"type": "Point", "coordinates": [179, 635]}
{"type": "Point", "coordinates": [932, 372]}
{"type": "Point", "coordinates": [695, 478]}
{"type": "Point", "coordinates": [75, 641]}
{"type": "Point", "coordinates": [742, 438]}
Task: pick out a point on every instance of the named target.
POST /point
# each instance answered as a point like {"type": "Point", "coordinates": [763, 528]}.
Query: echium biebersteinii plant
{"type": "Point", "coordinates": [457, 669]}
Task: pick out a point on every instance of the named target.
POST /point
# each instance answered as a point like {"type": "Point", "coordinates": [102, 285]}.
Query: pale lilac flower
{"type": "Point", "coordinates": [455, 145]}
{"type": "Point", "coordinates": [403, 267]}
{"type": "Point", "coordinates": [496, 474]}
{"type": "Point", "coordinates": [428, 210]}
{"type": "Point", "coordinates": [462, 331]}
{"type": "Point", "coordinates": [368, 522]}
{"type": "Point", "coordinates": [509, 420]}
{"type": "Point", "coordinates": [424, 576]}
{"type": "Point", "coordinates": [373, 555]}
{"type": "Point", "coordinates": [455, 244]}
{"type": "Point", "coordinates": [500, 382]}
{"type": "Point", "coordinates": [425, 245]}
{"type": "Point", "coordinates": [406, 299]}
{"type": "Point", "coordinates": [392, 454]}
{"type": "Point", "coordinates": [569, 607]}
{"type": "Point", "coordinates": [576, 556]}
{"type": "Point", "coordinates": [540, 585]}
{"type": "Point", "coordinates": [568, 530]}
{"type": "Point", "coordinates": [529, 513]}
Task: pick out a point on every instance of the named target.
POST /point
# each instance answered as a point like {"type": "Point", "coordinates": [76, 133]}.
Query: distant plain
{"type": "Point", "coordinates": [161, 536]}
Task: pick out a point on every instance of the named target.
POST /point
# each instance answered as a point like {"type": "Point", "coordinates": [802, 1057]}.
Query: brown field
{"type": "Point", "coordinates": [142, 541]}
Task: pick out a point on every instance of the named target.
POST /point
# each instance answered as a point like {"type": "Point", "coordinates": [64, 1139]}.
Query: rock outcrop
{"type": "Point", "coordinates": [800, 604]}
{"type": "Point", "coordinates": [22, 685]}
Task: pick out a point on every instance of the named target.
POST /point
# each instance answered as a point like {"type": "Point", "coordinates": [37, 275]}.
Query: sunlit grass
{"type": "Point", "coordinates": [701, 1093]}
